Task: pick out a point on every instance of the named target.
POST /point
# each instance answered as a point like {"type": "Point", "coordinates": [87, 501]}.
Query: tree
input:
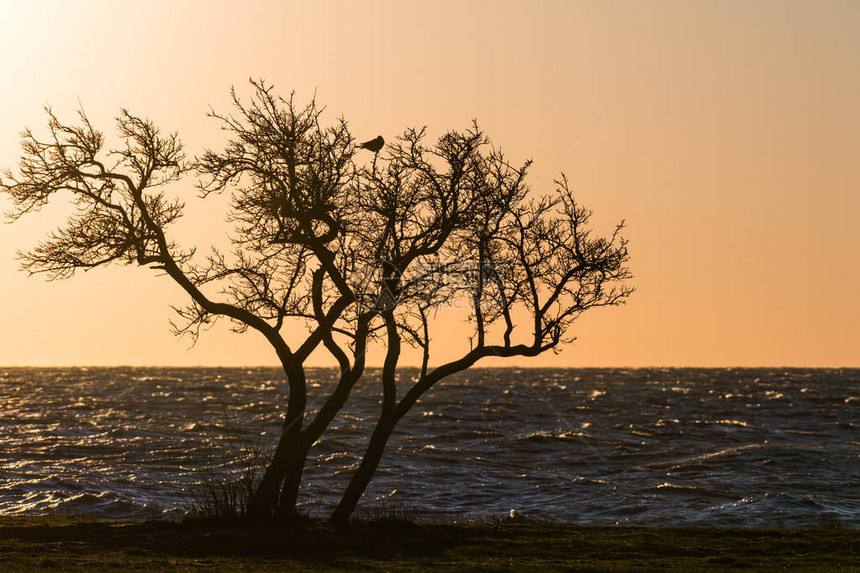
{"type": "Point", "coordinates": [357, 254]}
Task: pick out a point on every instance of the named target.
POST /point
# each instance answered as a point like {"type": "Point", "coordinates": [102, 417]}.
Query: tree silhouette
{"type": "Point", "coordinates": [357, 255]}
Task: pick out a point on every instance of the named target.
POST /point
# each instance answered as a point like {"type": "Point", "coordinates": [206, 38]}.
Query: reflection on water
{"type": "Point", "coordinates": [754, 447]}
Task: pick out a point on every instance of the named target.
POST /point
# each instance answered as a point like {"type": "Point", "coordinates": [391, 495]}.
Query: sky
{"type": "Point", "coordinates": [724, 133]}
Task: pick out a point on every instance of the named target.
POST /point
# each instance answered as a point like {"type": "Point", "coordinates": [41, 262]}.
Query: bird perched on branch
{"type": "Point", "coordinates": [373, 145]}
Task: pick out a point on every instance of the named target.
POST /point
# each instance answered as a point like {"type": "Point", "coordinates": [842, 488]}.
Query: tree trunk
{"type": "Point", "coordinates": [265, 498]}
{"type": "Point", "coordinates": [295, 467]}
{"type": "Point", "coordinates": [387, 420]}
{"type": "Point", "coordinates": [361, 478]}
{"type": "Point", "coordinates": [282, 467]}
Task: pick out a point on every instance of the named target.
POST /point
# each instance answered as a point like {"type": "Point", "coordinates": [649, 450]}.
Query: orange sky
{"type": "Point", "coordinates": [729, 143]}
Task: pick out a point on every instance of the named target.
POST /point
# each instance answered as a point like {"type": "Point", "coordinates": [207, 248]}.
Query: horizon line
{"type": "Point", "coordinates": [413, 366]}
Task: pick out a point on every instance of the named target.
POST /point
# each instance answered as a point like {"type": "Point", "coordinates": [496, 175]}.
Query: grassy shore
{"type": "Point", "coordinates": [44, 544]}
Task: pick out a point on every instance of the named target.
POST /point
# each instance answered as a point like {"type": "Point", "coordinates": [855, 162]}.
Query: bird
{"type": "Point", "coordinates": [373, 145]}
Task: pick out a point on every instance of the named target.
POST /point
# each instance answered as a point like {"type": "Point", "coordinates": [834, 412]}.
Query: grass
{"type": "Point", "coordinates": [53, 544]}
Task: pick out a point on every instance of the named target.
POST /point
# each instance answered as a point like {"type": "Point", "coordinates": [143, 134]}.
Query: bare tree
{"type": "Point", "coordinates": [356, 255]}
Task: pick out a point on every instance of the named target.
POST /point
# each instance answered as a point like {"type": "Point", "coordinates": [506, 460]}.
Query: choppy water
{"type": "Point", "coordinates": [751, 447]}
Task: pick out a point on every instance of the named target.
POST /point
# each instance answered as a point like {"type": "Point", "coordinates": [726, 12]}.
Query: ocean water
{"type": "Point", "coordinates": [727, 447]}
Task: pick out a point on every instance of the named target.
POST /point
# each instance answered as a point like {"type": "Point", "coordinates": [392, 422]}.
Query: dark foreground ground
{"type": "Point", "coordinates": [43, 544]}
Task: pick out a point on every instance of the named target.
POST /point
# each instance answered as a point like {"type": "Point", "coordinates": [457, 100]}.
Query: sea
{"type": "Point", "coordinates": [761, 447]}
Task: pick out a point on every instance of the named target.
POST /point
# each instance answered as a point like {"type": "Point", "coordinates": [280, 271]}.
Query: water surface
{"type": "Point", "coordinates": [750, 447]}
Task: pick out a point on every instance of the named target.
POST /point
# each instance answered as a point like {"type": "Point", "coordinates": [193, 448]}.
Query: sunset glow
{"type": "Point", "coordinates": [725, 134]}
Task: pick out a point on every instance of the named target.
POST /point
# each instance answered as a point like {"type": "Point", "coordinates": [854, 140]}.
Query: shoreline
{"type": "Point", "coordinates": [78, 544]}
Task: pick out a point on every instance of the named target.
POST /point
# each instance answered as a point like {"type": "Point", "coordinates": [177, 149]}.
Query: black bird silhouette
{"type": "Point", "coordinates": [373, 145]}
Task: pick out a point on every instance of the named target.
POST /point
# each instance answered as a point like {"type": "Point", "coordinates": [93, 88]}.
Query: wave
{"type": "Point", "coordinates": [759, 447]}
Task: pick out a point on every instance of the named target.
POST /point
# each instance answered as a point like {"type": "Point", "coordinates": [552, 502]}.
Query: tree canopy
{"type": "Point", "coordinates": [354, 250]}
